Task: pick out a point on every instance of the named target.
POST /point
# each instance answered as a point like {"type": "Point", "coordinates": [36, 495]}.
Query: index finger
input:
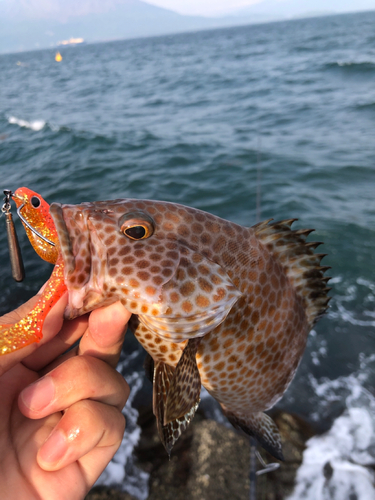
{"type": "Point", "coordinates": [105, 334]}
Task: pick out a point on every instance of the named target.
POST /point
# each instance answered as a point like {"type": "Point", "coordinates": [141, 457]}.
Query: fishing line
{"type": "Point", "coordinates": [266, 467]}
{"type": "Point", "coordinates": [259, 178]}
{"type": "Point", "coordinates": [254, 473]}
{"type": "Point", "coordinates": [253, 468]}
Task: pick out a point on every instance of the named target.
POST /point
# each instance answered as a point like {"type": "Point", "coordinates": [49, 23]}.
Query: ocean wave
{"type": "Point", "coordinates": [360, 67]}
{"type": "Point", "coordinates": [361, 291]}
{"type": "Point", "coordinates": [121, 471]}
{"type": "Point", "coordinates": [35, 125]}
{"type": "Point", "coordinates": [362, 64]}
{"type": "Point", "coordinates": [350, 316]}
{"type": "Point", "coordinates": [367, 106]}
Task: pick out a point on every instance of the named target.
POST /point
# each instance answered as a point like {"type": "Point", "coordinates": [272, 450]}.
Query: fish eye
{"type": "Point", "coordinates": [35, 201]}
{"type": "Point", "coordinates": [136, 232]}
{"type": "Point", "coordinates": [136, 225]}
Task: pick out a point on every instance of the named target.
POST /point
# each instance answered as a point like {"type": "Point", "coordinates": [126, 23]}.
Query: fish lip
{"type": "Point", "coordinates": [85, 286]}
{"type": "Point", "coordinates": [56, 211]}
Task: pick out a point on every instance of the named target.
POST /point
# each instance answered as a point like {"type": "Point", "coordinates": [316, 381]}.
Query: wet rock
{"type": "Point", "coordinates": [212, 461]}
{"type": "Point", "coordinates": [107, 493]}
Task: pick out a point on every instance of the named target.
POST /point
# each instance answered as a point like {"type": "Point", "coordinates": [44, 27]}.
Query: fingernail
{"type": "Point", "coordinates": [39, 395]}
{"type": "Point", "coordinates": [54, 448]}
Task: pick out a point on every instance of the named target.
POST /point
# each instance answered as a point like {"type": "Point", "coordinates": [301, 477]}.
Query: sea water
{"type": "Point", "coordinates": [274, 120]}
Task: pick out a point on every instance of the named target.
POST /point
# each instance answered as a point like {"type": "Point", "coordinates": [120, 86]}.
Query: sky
{"type": "Point", "coordinates": [203, 7]}
{"type": "Point", "coordinates": [220, 7]}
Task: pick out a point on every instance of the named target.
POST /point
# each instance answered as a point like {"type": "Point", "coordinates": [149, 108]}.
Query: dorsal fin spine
{"type": "Point", "coordinates": [301, 264]}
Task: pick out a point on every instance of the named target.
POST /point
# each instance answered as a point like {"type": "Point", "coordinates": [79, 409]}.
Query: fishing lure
{"type": "Point", "coordinates": [34, 213]}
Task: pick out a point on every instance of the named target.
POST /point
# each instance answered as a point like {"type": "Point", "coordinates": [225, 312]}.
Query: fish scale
{"type": "Point", "coordinates": [218, 304]}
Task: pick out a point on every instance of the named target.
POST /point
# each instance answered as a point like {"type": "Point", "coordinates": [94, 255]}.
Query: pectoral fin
{"type": "Point", "coordinates": [261, 427]}
{"type": "Point", "coordinates": [171, 431]}
{"type": "Point", "coordinates": [163, 374]}
{"type": "Point", "coordinates": [185, 385]}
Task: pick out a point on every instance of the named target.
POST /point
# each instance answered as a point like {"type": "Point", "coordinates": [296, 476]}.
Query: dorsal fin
{"type": "Point", "coordinates": [301, 264]}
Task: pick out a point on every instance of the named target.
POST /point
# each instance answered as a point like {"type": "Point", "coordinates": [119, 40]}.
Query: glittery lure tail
{"type": "Point", "coordinates": [29, 329]}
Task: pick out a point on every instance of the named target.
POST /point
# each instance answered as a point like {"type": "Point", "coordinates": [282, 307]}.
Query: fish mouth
{"type": "Point", "coordinates": [83, 256]}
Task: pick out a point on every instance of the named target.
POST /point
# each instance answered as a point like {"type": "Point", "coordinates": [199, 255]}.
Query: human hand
{"type": "Point", "coordinates": [58, 434]}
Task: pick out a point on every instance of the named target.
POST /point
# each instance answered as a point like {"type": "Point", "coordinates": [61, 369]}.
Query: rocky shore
{"type": "Point", "coordinates": [212, 462]}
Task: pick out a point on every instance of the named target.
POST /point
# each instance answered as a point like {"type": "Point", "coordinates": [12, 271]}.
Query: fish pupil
{"type": "Point", "coordinates": [136, 232]}
{"type": "Point", "coordinates": [35, 201]}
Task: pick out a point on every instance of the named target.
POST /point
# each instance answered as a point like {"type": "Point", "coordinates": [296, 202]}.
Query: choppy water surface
{"type": "Point", "coordinates": [213, 120]}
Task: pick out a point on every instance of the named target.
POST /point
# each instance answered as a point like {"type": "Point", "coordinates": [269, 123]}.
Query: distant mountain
{"type": "Point", "coordinates": [32, 24]}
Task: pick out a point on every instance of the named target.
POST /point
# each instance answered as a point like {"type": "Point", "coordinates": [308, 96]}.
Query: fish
{"type": "Point", "coordinates": [214, 303]}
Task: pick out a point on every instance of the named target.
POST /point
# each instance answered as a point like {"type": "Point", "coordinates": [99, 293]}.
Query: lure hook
{"type": "Point", "coordinates": [46, 240]}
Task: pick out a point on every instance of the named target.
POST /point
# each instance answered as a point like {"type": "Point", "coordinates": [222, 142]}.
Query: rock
{"type": "Point", "coordinates": [212, 461]}
{"type": "Point", "coordinates": [209, 461]}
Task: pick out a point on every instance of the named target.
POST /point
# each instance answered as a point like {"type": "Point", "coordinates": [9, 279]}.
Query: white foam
{"type": "Point", "coordinates": [349, 316]}
{"type": "Point", "coordinates": [359, 62]}
{"type": "Point", "coordinates": [336, 464]}
{"type": "Point", "coordinates": [362, 291]}
{"type": "Point", "coordinates": [35, 125]}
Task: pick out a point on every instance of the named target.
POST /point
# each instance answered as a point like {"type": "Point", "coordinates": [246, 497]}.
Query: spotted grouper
{"type": "Point", "coordinates": [216, 304]}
